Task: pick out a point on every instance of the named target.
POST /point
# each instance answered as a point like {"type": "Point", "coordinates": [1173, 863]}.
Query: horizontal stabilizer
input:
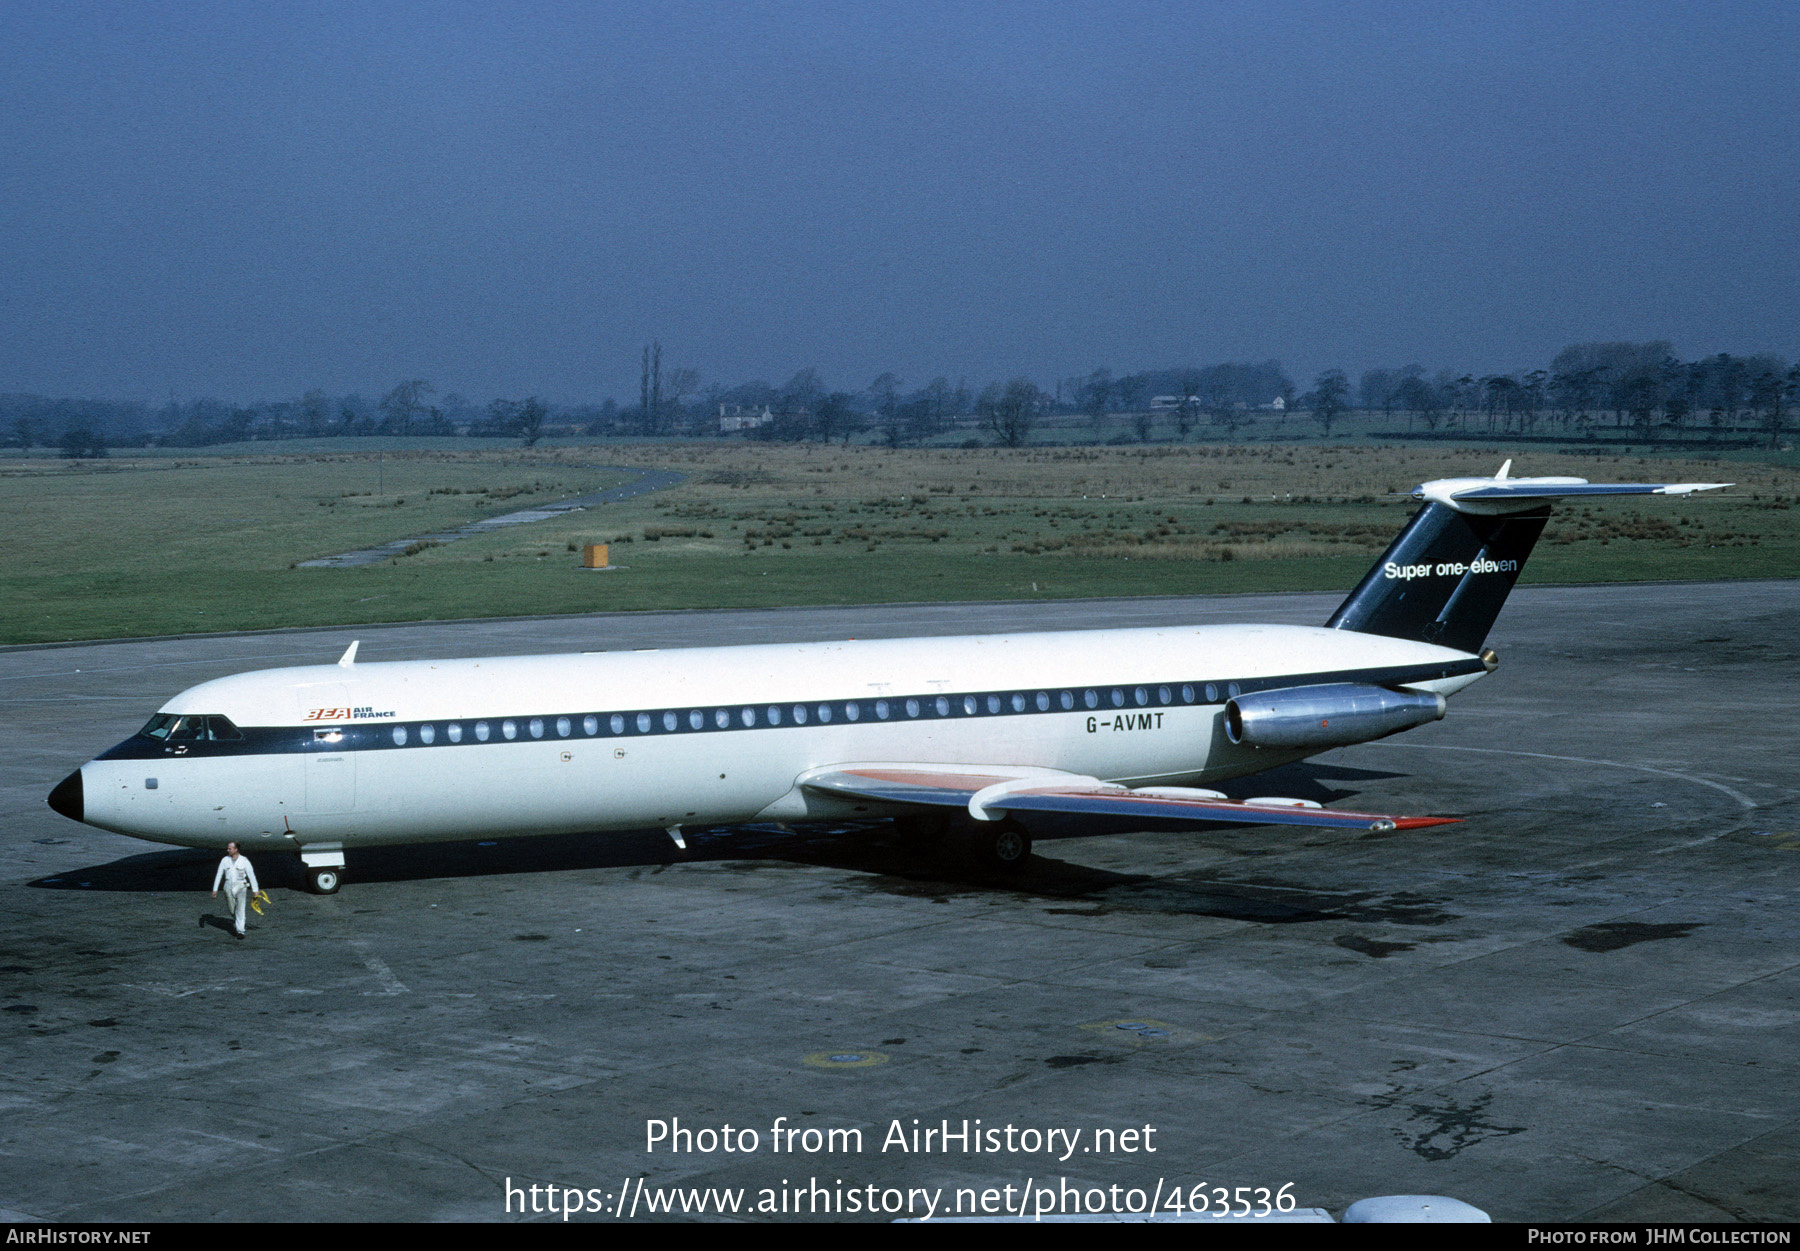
{"type": "Point", "coordinates": [1501, 494]}
{"type": "Point", "coordinates": [987, 791]}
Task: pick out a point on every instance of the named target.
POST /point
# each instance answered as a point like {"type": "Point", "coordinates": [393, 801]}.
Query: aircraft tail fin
{"type": "Point", "coordinates": [1446, 576]}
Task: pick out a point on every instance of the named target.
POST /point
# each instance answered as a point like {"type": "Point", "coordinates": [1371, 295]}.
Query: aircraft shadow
{"type": "Point", "coordinates": [887, 861]}
{"type": "Point", "coordinates": [188, 870]}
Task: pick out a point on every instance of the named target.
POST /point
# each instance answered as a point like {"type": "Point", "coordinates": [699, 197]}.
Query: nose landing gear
{"type": "Point", "coordinates": [324, 871]}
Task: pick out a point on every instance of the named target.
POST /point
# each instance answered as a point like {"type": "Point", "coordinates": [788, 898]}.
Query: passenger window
{"type": "Point", "coordinates": [1163, 696]}
{"type": "Point", "coordinates": [481, 731]}
{"type": "Point", "coordinates": [427, 734]}
{"type": "Point", "coordinates": [1233, 689]}
{"type": "Point", "coordinates": [747, 716]}
{"type": "Point", "coordinates": [993, 703]}
{"type": "Point", "coordinates": [824, 712]}
{"type": "Point", "coordinates": [969, 705]}
{"type": "Point", "coordinates": [669, 722]}
{"type": "Point", "coordinates": [1187, 694]}
{"type": "Point", "coordinates": [774, 715]}
{"type": "Point", "coordinates": [722, 718]}
{"type": "Point", "coordinates": [1091, 698]}
{"type": "Point", "coordinates": [454, 731]}
{"type": "Point", "coordinates": [943, 706]}
{"type": "Point", "coordinates": [851, 711]}
{"type": "Point", "coordinates": [616, 724]}
{"type": "Point", "coordinates": [1212, 693]}
{"type": "Point", "coordinates": [562, 727]}
{"type": "Point", "coordinates": [696, 720]}
{"type": "Point", "coordinates": [1118, 698]}
{"type": "Point", "coordinates": [799, 714]}
{"type": "Point", "coordinates": [912, 707]}
{"type": "Point", "coordinates": [399, 736]}
{"type": "Point", "coordinates": [1043, 701]}
{"type": "Point", "coordinates": [1067, 699]}
{"type": "Point", "coordinates": [590, 725]}
{"type": "Point", "coordinates": [328, 736]}
{"type": "Point", "coordinates": [881, 710]}
{"type": "Point", "coordinates": [509, 729]}
{"type": "Point", "coordinates": [536, 726]}
{"type": "Point", "coordinates": [1018, 703]}
{"type": "Point", "coordinates": [1142, 696]}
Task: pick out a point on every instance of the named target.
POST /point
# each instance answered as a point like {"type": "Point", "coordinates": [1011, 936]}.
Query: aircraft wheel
{"type": "Point", "coordinates": [1000, 847]}
{"type": "Point", "coordinates": [324, 881]}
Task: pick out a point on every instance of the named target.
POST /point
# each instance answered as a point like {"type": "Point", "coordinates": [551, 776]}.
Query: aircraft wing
{"type": "Point", "coordinates": [987, 791]}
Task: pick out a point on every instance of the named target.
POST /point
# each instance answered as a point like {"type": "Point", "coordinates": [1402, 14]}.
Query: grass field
{"type": "Point", "coordinates": [176, 544]}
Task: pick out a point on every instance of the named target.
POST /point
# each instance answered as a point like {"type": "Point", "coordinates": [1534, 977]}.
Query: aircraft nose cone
{"type": "Point", "coordinates": [66, 798]}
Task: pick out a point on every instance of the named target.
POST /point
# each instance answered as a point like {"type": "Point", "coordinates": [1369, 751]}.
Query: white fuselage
{"type": "Point", "coordinates": [626, 740]}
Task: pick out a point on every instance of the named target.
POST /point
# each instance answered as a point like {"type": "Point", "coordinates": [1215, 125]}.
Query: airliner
{"type": "Point", "coordinates": [968, 736]}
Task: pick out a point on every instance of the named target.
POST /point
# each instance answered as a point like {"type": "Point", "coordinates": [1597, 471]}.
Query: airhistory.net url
{"type": "Point", "coordinates": [1062, 1197]}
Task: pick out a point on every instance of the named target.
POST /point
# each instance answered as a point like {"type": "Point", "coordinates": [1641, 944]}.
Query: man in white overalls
{"type": "Point", "coordinates": [240, 883]}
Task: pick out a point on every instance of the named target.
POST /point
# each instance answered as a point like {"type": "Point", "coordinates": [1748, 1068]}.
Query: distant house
{"type": "Point", "coordinates": [1278, 404]}
{"type": "Point", "coordinates": [736, 418]}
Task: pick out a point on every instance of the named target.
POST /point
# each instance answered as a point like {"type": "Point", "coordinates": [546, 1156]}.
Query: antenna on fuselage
{"type": "Point", "coordinates": [349, 656]}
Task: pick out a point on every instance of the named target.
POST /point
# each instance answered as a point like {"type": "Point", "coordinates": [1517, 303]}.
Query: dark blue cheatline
{"type": "Point", "coordinates": [217, 739]}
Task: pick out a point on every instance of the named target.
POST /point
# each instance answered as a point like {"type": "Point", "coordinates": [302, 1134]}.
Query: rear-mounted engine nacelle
{"type": "Point", "coordinates": [1333, 715]}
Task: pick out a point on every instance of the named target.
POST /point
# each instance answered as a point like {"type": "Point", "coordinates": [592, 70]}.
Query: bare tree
{"type": "Point", "coordinates": [404, 403]}
{"type": "Point", "coordinates": [1532, 399]}
{"type": "Point", "coordinates": [1213, 394]}
{"type": "Point", "coordinates": [1330, 396]}
{"type": "Point", "coordinates": [1096, 394]}
{"type": "Point", "coordinates": [529, 420]}
{"type": "Point", "coordinates": [885, 391]}
{"type": "Point", "coordinates": [802, 392]}
{"type": "Point", "coordinates": [503, 415]}
{"type": "Point", "coordinates": [656, 388]}
{"type": "Point", "coordinates": [1010, 412]}
{"type": "Point", "coordinates": [315, 411]}
{"type": "Point", "coordinates": [1768, 392]}
{"type": "Point", "coordinates": [1727, 376]}
{"type": "Point", "coordinates": [646, 421]}
{"type": "Point", "coordinates": [1189, 409]}
{"type": "Point", "coordinates": [940, 399]}
{"type": "Point", "coordinates": [677, 385]}
{"type": "Point", "coordinates": [834, 416]}
{"type": "Point", "coordinates": [1416, 395]}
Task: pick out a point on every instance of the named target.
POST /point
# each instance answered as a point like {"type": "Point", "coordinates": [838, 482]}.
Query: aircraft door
{"type": "Point", "coordinates": [330, 765]}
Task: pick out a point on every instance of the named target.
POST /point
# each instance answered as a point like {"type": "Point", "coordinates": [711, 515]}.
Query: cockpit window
{"type": "Point", "coordinates": [167, 727]}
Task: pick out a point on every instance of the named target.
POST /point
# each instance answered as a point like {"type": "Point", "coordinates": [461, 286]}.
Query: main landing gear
{"type": "Point", "coordinates": [999, 847]}
{"type": "Point", "coordinates": [990, 848]}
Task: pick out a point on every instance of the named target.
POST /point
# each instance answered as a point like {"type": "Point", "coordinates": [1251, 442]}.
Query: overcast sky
{"type": "Point", "coordinates": [250, 200]}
